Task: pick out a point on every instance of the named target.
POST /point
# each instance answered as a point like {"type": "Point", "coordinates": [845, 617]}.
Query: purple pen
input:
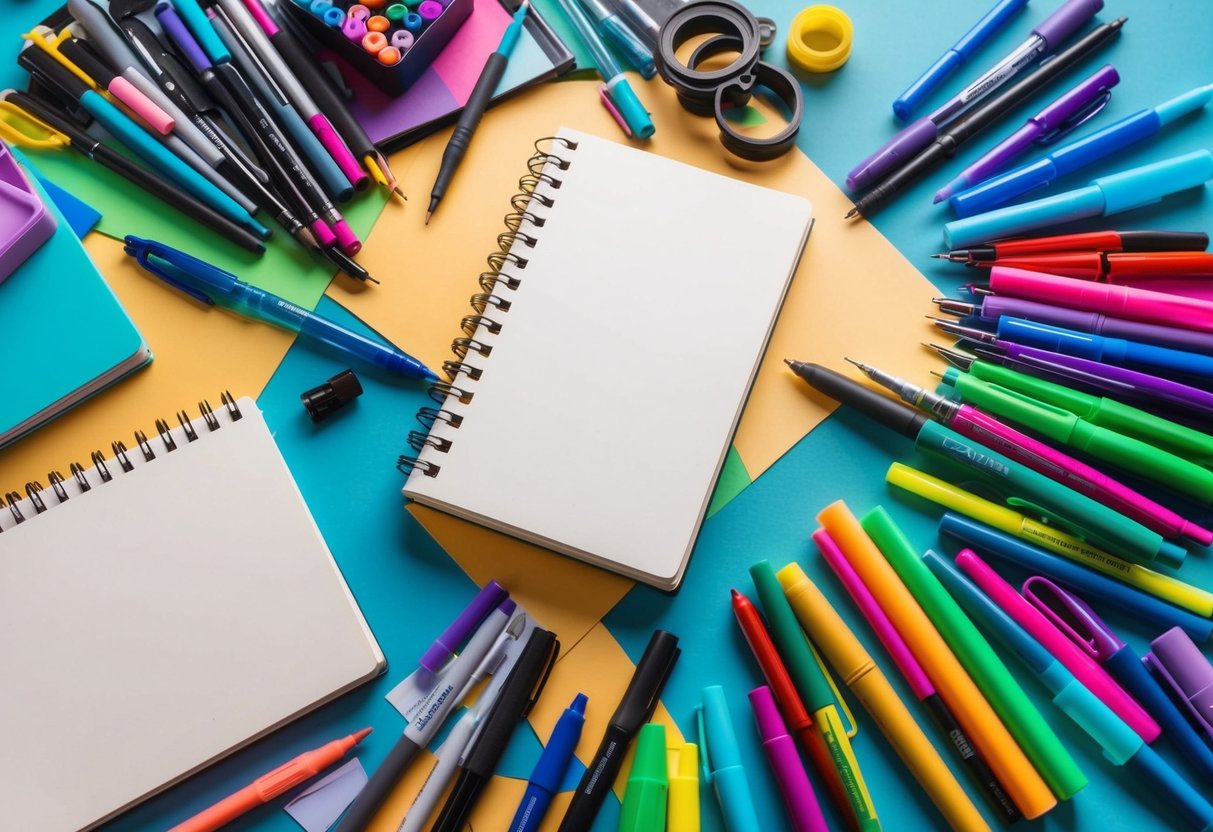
{"type": "Point", "coordinates": [915, 136]}
{"type": "Point", "coordinates": [1178, 662]}
{"type": "Point", "coordinates": [790, 775]}
{"type": "Point", "coordinates": [486, 600]}
{"type": "Point", "coordinates": [1073, 108]}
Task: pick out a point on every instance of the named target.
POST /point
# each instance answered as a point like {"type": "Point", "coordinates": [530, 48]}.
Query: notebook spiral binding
{"type": "Point", "coordinates": [105, 470]}
{"type": "Point", "coordinates": [541, 170]}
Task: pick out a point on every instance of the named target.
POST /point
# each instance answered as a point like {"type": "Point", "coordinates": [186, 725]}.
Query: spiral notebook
{"type": "Point", "coordinates": [613, 345]}
{"type": "Point", "coordinates": [159, 609]}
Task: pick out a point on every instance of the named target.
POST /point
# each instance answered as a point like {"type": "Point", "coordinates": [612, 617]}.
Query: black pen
{"type": "Point", "coordinates": [514, 701]}
{"type": "Point", "coordinates": [983, 116]}
{"type": "Point", "coordinates": [478, 102]}
{"type": "Point", "coordinates": [635, 709]}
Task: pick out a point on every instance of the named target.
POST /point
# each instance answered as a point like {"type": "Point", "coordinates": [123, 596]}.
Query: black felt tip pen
{"type": "Point", "coordinates": [635, 709]}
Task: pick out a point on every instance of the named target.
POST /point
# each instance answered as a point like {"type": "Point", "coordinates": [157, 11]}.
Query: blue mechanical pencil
{"type": "Point", "coordinates": [550, 767]}
{"type": "Point", "coordinates": [212, 285]}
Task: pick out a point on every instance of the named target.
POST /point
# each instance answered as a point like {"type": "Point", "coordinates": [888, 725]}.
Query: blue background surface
{"type": "Point", "coordinates": [407, 586]}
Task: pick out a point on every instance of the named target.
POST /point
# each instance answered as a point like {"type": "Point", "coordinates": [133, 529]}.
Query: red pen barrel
{"type": "Point", "coordinates": [223, 812]}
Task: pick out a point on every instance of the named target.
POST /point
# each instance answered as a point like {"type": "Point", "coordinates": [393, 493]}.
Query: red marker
{"type": "Point", "coordinates": [1113, 267]}
{"type": "Point", "coordinates": [1105, 241]}
{"type": "Point", "coordinates": [269, 786]}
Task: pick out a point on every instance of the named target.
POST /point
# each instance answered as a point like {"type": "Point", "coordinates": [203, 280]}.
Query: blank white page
{"type": "Point", "coordinates": [615, 384]}
{"type": "Point", "coordinates": [161, 620]}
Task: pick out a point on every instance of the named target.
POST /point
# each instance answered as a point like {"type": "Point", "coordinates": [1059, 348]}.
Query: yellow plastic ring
{"type": "Point", "coordinates": [820, 39]}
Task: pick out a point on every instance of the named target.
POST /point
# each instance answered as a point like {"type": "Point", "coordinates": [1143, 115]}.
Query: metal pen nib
{"type": "Point", "coordinates": [960, 308]}
{"type": "Point", "coordinates": [959, 360]}
{"type": "Point", "coordinates": [960, 331]}
{"type": "Point", "coordinates": [922, 398]}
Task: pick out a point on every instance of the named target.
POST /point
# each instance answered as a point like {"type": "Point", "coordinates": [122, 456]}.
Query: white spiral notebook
{"type": "Point", "coordinates": [613, 346]}
{"type": "Point", "coordinates": [160, 608]}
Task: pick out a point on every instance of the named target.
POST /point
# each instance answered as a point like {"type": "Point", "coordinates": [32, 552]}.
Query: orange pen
{"type": "Point", "coordinates": [269, 786]}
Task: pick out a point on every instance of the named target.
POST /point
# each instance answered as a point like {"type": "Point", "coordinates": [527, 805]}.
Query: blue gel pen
{"type": "Point", "coordinates": [212, 285]}
{"type": "Point", "coordinates": [1119, 351]}
{"type": "Point", "coordinates": [550, 769]}
{"type": "Point", "coordinates": [617, 33]}
{"type": "Point", "coordinates": [1078, 154]}
{"type": "Point", "coordinates": [955, 58]}
{"type": "Point", "coordinates": [1119, 743]}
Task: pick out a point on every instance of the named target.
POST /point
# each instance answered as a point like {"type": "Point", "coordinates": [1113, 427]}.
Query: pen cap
{"type": "Point", "coordinates": [1067, 20]}
{"type": "Point", "coordinates": [326, 399]}
{"type": "Point", "coordinates": [1150, 183]}
{"type": "Point", "coordinates": [629, 107]}
{"type": "Point", "coordinates": [991, 22]}
{"type": "Point", "coordinates": [1189, 669]}
{"type": "Point", "coordinates": [716, 735]}
{"type": "Point", "coordinates": [912, 98]}
{"type": "Point", "coordinates": [766, 714]}
{"type": "Point", "coordinates": [789, 639]}
{"type": "Point", "coordinates": [1073, 617]}
{"type": "Point", "coordinates": [682, 813]}
{"type": "Point", "coordinates": [652, 672]}
{"type": "Point", "coordinates": [821, 621]}
{"type": "Point", "coordinates": [1181, 105]}
{"type": "Point", "coordinates": [644, 801]}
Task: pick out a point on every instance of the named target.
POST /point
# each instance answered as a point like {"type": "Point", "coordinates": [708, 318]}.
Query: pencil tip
{"type": "Point", "coordinates": [428, 214]}
{"type": "Point", "coordinates": [940, 256]}
{"type": "Point", "coordinates": [854, 212]}
{"type": "Point", "coordinates": [361, 735]}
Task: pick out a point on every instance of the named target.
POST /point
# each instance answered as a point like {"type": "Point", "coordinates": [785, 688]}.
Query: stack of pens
{"type": "Point", "coordinates": [231, 118]}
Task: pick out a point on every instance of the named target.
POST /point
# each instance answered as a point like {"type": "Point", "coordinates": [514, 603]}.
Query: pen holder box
{"type": "Point", "coordinates": [428, 42]}
{"type": "Point", "coordinates": [25, 224]}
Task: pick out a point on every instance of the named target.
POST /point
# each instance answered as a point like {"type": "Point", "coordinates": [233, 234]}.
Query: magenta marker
{"type": "Point", "coordinates": [429, 10]}
{"type": "Point", "coordinates": [486, 600]}
{"type": "Point", "coordinates": [354, 29]}
{"type": "Point", "coordinates": [793, 782]}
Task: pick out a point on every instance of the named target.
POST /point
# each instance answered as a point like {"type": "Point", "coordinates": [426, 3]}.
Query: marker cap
{"type": "Point", "coordinates": [629, 106]}
{"type": "Point", "coordinates": [1189, 671]}
{"type": "Point", "coordinates": [644, 802]}
{"type": "Point", "coordinates": [1067, 20]}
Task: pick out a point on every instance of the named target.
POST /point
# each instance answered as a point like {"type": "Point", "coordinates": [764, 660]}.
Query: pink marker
{"type": "Point", "coordinates": [1084, 668]}
{"type": "Point", "coordinates": [1135, 304]}
{"type": "Point", "coordinates": [790, 775]}
{"type": "Point", "coordinates": [354, 29]}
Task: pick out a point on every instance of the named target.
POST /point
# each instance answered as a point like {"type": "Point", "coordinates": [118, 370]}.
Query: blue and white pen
{"type": "Point", "coordinates": [550, 768]}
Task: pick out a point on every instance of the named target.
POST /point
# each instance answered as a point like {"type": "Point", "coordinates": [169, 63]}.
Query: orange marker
{"type": "Point", "coordinates": [269, 786]}
{"type": "Point", "coordinates": [378, 23]}
{"type": "Point", "coordinates": [374, 42]}
{"type": "Point", "coordinates": [389, 56]}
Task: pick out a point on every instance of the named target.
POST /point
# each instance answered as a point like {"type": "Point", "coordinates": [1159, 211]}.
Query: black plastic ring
{"type": "Point", "coordinates": [696, 88]}
{"type": "Point", "coordinates": [777, 81]}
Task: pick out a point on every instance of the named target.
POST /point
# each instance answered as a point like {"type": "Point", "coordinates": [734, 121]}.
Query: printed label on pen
{"type": "Point", "coordinates": [602, 764]}
{"type": "Point", "coordinates": [997, 76]}
{"type": "Point", "coordinates": [1077, 551]}
{"type": "Point", "coordinates": [1023, 455]}
{"type": "Point", "coordinates": [962, 450]}
{"type": "Point", "coordinates": [846, 764]}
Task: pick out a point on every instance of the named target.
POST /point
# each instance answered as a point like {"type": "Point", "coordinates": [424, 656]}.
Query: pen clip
{"type": "Point", "coordinates": [852, 727]}
{"type": "Point", "coordinates": [142, 249]}
{"type": "Point", "coordinates": [537, 691]}
{"type": "Point", "coordinates": [1047, 516]}
{"type": "Point", "coordinates": [1088, 112]}
{"type": "Point", "coordinates": [705, 757]}
{"type": "Point", "coordinates": [1073, 617]}
{"type": "Point", "coordinates": [46, 39]}
{"type": "Point", "coordinates": [15, 124]}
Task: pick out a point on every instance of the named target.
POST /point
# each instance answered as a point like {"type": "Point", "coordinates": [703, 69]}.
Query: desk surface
{"type": "Point", "coordinates": [408, 587]}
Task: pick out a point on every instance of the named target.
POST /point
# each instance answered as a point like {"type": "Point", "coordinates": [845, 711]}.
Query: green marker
{"type": "Point", "coordinates": [1065, 427]}
{"type": "Point", "coordinates": [810, 682]}
{"type": "Point", "coordinates": [644, 801]}
{"type": "Point", "coordinates": [1006, 697]}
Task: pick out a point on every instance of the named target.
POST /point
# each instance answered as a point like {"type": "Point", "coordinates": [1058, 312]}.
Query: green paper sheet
{"type": "Point", "coordinates": [732, 481]}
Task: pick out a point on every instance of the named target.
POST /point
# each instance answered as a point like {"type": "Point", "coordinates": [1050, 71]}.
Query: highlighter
{"type": "Point", "coordinates": [1023, 720]}
{"type": "Point", "coordinates": [721, 762]}
{"type": "Point", "coordinates": [644, 801]}
{"type": "Point", "coordinates": [870, 686]}
{"type": "Point", "coordinates": [682, 802]}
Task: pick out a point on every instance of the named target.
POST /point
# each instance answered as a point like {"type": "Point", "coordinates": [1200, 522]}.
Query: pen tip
{"type": "Point", "coordinates": [372, 280]}
{"type": "Point", "coordinates": [854, 212]}
{"type": "Point", "coordinates": [789, 362]}
{"type": "Point", "coordinates": [361, 735]}
{"type": "Point", "coordinates": [940, 256]}
{"type": "Point", "coordinates": [428, 214]}
{"type": "Point", "coordinates": [397, 192]}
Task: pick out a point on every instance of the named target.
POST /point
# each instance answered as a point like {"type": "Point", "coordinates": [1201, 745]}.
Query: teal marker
{"type": "Point", "coordinates": [721, 762]}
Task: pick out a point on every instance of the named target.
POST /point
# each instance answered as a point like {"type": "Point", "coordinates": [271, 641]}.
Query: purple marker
{"type": "Point", "coordinates": [429, 10]}
{"type": "Point", "coordinates": [486, 600]}
{"type": "Point", "coordinates": [1045, 38]}
{"type": "Point", "coordinates": [793, 782]}
{"type": "Point", "coordinates": [1072, 109]}
{"type": "Point", "coordinates": [1179, 663]}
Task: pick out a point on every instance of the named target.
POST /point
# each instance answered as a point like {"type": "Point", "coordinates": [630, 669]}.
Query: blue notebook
{"type": "Point", "coordinates": [59, 307]}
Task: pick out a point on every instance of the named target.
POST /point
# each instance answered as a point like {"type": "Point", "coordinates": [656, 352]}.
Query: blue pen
{"type": "Point", "coordinates": [1119, 351]}
{"type": "Point", "coordinates": [1078, 154]}
{"type": "Point", "coordinates": [212, 285]}
{"type": "Point", "coordinates": [550, 768]}
{"type": "Point", "coordinates": [720, 762]}
{"type": "Point", "coordinates": [1079, 623]}
{"type": "Point", "coordinates": [615, 30]}
{"type": "Point", "coordinates": [954, 58]}
{"type": "Point", "coordinates": [1106, 195]}
{"type": "Point", "coordinates": [1120, 744]}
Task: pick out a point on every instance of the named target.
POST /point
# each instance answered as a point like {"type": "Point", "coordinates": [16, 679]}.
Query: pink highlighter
{"type": "Point", "coordinates": [790, 774]}
{"type": "Point", "coordinates": [1084, 668]}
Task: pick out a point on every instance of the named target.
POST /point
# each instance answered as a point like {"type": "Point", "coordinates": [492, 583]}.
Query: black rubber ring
{"type": "Point", "coordinates": [696, 89]}
{"type": "Point", "coordinates": [783, 85]}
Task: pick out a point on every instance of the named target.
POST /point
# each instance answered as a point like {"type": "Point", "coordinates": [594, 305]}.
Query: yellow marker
{"type": "Point", "coordinates": [682, 806]}
{"type": "Point", "coordinates": [868, 683]}
{"type": "Point", "coordinates": [1054, 540]}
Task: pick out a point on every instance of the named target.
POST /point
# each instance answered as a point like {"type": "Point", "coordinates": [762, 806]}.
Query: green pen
{"type": "Point", "coordinates": [1100, 410]}
{"type": "Point", "coordinates": [644, 802]}
{"type": "Point", "coordinates": [1063, 426]}
{"type": "Point", "coordinates": [991, 676]}
{"type": "Point", "coordinates": [810, 682]}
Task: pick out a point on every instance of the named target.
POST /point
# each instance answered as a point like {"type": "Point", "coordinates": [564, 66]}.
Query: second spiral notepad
{"type": "Point", "coordinates": [597, 380]}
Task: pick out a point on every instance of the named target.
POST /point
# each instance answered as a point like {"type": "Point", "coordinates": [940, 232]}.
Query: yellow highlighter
{"type": "Point", "coordinates": [682, 801]}
{"type": "Point", "coordinates": [827, 630]}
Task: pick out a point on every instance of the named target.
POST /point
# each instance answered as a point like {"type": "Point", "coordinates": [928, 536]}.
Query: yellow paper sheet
{"type": "Point", "coordinates": [199, 353]}
{"type": "Point", "coordinates": [854, 294]}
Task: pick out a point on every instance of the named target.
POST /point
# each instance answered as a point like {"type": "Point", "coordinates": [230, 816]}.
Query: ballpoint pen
{"type": "Point", "coordinates": [862, 676]}
{"type": "Point", "coordinates": [446, 764]}
{"type": "Point", "coordinates": [1069, 111]}
{"type": "Point", "coordinates": [647, 792]}
{"type": "Point", "coordinates": [1105, 526]}
{"type": "Point", "coordinates": [720, 762]}
{"type": "Point", "coordinates": [269, 786]}
{"type": "Point", "coordinates": [635, 119]}
{"type": "Point", "coordinates": [39, 125]}
{"type": "Point", "coordinates": [1042, 458]}
{"type": "Point", "coordinates": [1101, 241]}
{"type": "Point", "coordinates": [619, 35]}
{"type": "Point", "coordinates": [1121, 191]}
{"type": "Point", "coordinates": [550, 768]}
{"type": "Point", "coordinates": [212, 285]}
{"type": "Point", "coordinates": [1078, 154]}
{"type": "Point", "coordinates": [944, 143]}
{"type": "Point", "coordinates": [443, 698]}
{"type": "Point", "coordinates": [635, 708]}
{"type": "Point", "coordinates": [815, 692]}
{"type": "Point", "coordinates": [1115, 267]}
{"type": "Point", "coordinates": [920, 684]}
{"type": "Point", "coordinates": [956, 56]}
{"type": "Point", "coordinates": [1119, 744]}
{"type": "Point", "coordinates": [916, 136]}
{"type": "Point", "coordinates": [790, 776]}
{"type": "Point", "coordinates": [1079, 623]}
{"type": "Point", "coordinates": [518, 695]}
{"type": "Point", "coordinates": [478, 101]}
